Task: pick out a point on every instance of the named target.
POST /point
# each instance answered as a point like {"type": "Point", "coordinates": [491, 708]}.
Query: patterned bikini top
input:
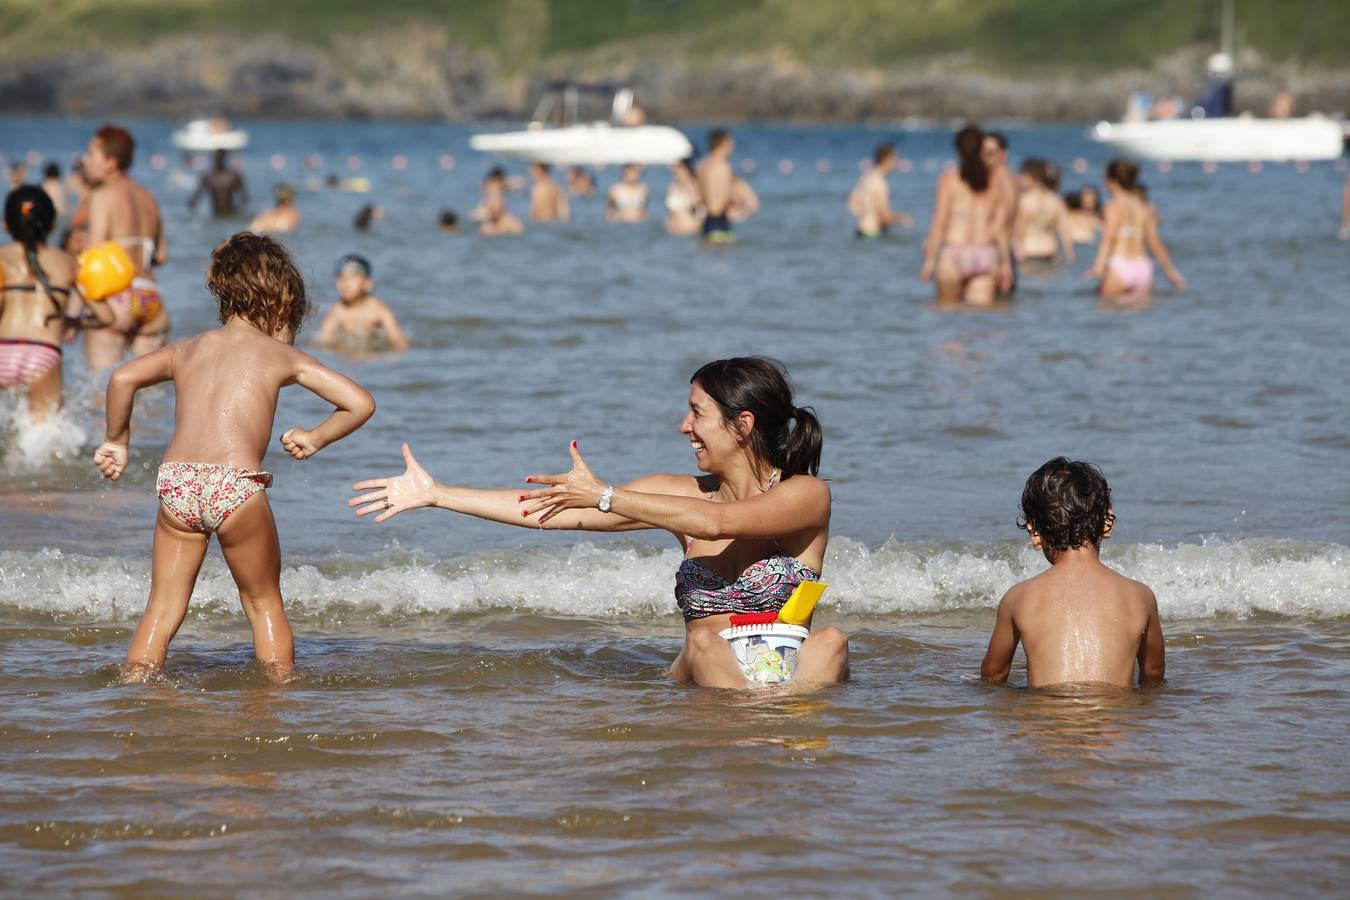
{"type": "Point", "coordinates": [763, 587]}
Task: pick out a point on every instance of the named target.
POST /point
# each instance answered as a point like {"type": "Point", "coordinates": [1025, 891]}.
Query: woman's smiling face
{"type": "Point", "coordinates": [713, 439]}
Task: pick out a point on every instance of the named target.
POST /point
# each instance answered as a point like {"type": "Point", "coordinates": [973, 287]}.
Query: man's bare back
{"type": "Point", "coordinates": [714, 181]}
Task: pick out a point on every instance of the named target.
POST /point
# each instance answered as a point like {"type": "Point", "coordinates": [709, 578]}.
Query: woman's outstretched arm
{"type": "Point", "coordinates": [797, 504]}
{"type": "Point", "coordinates": [415, 488]}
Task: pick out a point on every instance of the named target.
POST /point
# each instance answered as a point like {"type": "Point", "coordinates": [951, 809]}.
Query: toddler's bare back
{"type": "Point", "coordinates": [227, 381]}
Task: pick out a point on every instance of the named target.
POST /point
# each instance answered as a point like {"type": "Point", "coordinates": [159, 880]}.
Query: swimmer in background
{"type": "Point", "coordinates": [360, 321]}
{"type": "Point", "coordinates": [122, 211]}
{"type": "Point", "coordinates": [580, 182]}
{"type": "Point", "coordinates": [548, 201]}
{"type": "Point", "coordinates": [37, 294]}
{"type": "Point", "coordinates": [53, 187]}
{"type": "Point", "coordinates": [870, 200]}
{"type": "Point", "coordinates": [684, 206]}
{"type": "Point", "coordinates": [226, 383]}
{"type": "Point", "coordinates": [1041, 227]}
{"type": "Point", "coordinates": [280, 219]}
{"type": "Point", "coordinates": [448, 222]}
{"type": "Point", "coordinates": [224, 185]}
{"type": "Point", "coordinates": [367, 216]}
{"type": "Point", "coordinates": [1080, 622]}
{"type": "Point", "coordinates": [714, 184]}
{"type": "Point", "coordinates": [493, 216]}
{"type": "Point", "coordinates": [627, 199]}
{"type": "Point", "coordinates": [994, 151]}
{"type": "Point", "coordinates": [1129, 233]}
{"type": "Point", "coordinates": [1085, 214]}
{"type": "Point", "coordinates": [18, 175]}
{"type": "Point", "coordinates": [967, 245]}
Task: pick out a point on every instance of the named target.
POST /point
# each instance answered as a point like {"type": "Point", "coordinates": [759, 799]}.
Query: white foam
{"type": "Point", "coordinates": [30, 445]}
{"type": "Point", "coordinates": [1192, 581]}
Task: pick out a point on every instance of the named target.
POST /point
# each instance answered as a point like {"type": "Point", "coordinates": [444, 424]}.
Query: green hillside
{"type": "Point", "coordinates": [1024, 34]}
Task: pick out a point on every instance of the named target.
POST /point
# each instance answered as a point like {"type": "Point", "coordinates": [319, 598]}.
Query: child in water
{"type": "Point", "coordinates": [226, 383]}
{"type": "Point", "coordinates": [37, 290]}
{"type": "Point", "coordinates": [360, 320]}
{"type": "Point", "coordinates": [1081, 621]}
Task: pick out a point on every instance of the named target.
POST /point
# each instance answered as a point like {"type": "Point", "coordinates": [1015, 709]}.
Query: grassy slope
{"type": "Point", "coordinates": [1021, 34]}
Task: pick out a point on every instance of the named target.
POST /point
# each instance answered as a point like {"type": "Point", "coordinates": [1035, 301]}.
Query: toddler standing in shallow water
{"type": "Point", "coordinates": [1081, 621]}
{"type": "Point", "coordinates": [226, 383]}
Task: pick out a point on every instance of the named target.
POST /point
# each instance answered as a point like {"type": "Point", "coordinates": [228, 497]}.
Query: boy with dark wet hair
{"type": "Point", "coordinates": [1080, 622]}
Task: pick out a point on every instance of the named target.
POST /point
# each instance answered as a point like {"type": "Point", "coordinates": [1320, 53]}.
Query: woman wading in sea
{"type": "Point", "coordinates": [752, 528]}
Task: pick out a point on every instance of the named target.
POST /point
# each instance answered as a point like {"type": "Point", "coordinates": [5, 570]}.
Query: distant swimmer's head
{"type": "Point", "coordinates": [1124, 174]}
{"type": "Point", "coordinates": [719, 138]}
{"type": "Point", "coordinates": [994, 148]}
{"type": "Point", "coordinates": [1065, 505]}
{"type": "Point", "coordinates": [1089, 200]}
{"type": "Point", "coordinates": [51, 170]}
{"type": "Point", "coordinates": [367, 216]}
{"type": "Point", "coordinates": [631, 173]}
{"type": "Point", "coordinates": [744, 405]}
{"type": "Point", "coordinates": [449, 221]}
{"type": "Point", "coordinates": [253, 278]}
{"type": "Point", "coordinates": [110, 150]}
{"type": "Point", "coordinates": [540, 169]}
{"type": "Point", "coordinates": [355, 278]}
{"type": "Point", "coordinates": [284, 194]}
{"type": "Point", "coordinates": [496, 175]}
{"type": "Point", "coordinates": [29, 215]}
{"type": "Point", "coordinates": [884, 155]}
{"type": "Point", "coordinates": [974, 168]}
{"type": "Point", "coordinates": [1031, 174]}
{"type": "Point", "coordinates": [220, 158]}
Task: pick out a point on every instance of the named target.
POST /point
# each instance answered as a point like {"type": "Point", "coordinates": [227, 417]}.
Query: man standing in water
{"type": "Point", "coordinates": [995, 155]}
{"type": "Point", "coordinates": [122, 211]}
{"type": "Point", "coordinates": [870, 201]}
{"type": "Point", "coordinates": [714, 182]}
{"type": "Point", "coordinates": [224, 185]}
{"type": "Point", "coordinates": [548, 201]}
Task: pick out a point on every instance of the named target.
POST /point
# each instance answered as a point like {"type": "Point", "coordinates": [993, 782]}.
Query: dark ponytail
{"type": "Point", "coordinates": [30, 216]}
{"type": "Point", "coordinates": [1125, 174]}
{"type": "Point", "coordinates": [969, 142]}
{"type": "Point", "coordinates": [759, 385]}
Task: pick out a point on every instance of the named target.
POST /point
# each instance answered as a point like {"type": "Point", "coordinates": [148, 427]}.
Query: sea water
{"type": "Point", "coordinates": [482, 710]}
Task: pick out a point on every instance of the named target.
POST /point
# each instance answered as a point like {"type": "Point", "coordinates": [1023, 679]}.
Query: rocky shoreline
{"type": "Point", "coordinates": [423, 74]}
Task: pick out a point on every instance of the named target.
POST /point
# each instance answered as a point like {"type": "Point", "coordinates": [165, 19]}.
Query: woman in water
{"type": "Point", "coordinates": [1129, 234]}
{"type": "Point", "coordinates": [1085, 214]}
{"type": "Point", "coordinates": [684, 204]}
{"type": "Point", "coordinates": [37, 289]}
{"type": "Point", "coordinates": [1041, 228]}
{"type": "Point", "coordinates": [752, 528]}
{"type": "Point", "coordinates": [627, 200]}
{"type": "Point", "coordinates": [967, 246]}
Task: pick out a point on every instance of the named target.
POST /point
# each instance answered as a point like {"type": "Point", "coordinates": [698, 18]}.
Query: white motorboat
{"type": "Point", "coordinates": [1209, 132]}
{"type": "Point", "coordinates": [558, 133]}
{"type": "Point", "coordinates": [1226, 139]}
{"type": "Point", "coordinates": [209, 135]}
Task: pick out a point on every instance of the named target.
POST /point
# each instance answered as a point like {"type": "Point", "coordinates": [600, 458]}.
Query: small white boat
{"type": "Point", "coordinates": [1227, 139]}
{"type": "Point", "coordinates": [559, 135]}
{"type": "Point", "coordinates": [209, 135]}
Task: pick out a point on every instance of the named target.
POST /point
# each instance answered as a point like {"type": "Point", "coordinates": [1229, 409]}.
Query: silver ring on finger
{"type": "Point", "coordinates": [387, 503]}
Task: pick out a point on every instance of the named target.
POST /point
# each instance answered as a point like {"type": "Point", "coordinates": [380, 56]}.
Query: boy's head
{"type": "Point", "coordinates": [1066, 504]}
{"type": "Point", "coordinates": [253, 277]}
{"type": "Point", "coordinates": [354, 279]}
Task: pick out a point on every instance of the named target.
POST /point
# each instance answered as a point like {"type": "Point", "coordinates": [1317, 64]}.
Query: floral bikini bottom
{"type": "Point", "coordinates": [203, 495]}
